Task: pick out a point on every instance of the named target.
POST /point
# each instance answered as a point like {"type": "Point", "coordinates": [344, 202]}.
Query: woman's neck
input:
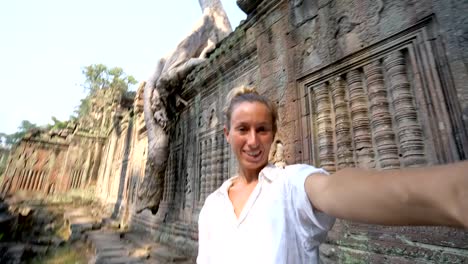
{"type": "Point", "coordinates": [249, 176]}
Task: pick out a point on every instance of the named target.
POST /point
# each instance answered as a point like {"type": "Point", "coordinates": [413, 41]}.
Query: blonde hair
{"type": "Point", "coordinates": [247, 94]}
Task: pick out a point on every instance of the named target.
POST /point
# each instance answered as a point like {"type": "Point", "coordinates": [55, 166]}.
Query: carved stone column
{"type": "Point", "coordinates": [166, 180]}
{"type": "Point", "coordinates": [409, 131]}
{"type": "Point", "coordinates": [225, 161]}
{"type": "Point", "coordinates": [381, 119]}
{"type": "Point", "coordinates": [26, 179]}
{"type": "Point", "coordinates": [220, 160]}
{"type": "Point", "coordinates": [33, 179]}
{"type": "Point", "coordinates": [21, 180]}
{"type": "Point", "coordinates": [24, 174]}
{"type": "Point", "coordinates": [41, 181]}
{"type": "Point", "coordinates": [171, 177]}
{"type": "Point", "coordinates": [202, 171]}
{"type": "Point", "coordinates": [344, 146]}
{"type": "Point", "coordinates": [360, 121]}
{"type": "Point", "coordinates": [324, 128]}
{"type": "Point", "coordinates": [29, 177]}
{"type": "Point", "coordinates": [208, 169]}
{"type": "Point", "coordinates": [214, 164]}
{"type": "Point", "coordinates": [36, 180]}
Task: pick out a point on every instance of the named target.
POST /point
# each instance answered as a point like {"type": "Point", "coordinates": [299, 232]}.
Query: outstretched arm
{"type": "Point", "coordinates": [422, 196]}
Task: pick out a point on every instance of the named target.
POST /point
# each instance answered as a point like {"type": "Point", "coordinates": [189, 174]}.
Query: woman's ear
{"type": "Point", "coordinates": [226, 134]}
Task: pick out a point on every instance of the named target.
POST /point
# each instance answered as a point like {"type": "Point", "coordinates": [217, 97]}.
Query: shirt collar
{"type": "Point", "coordinates": [269, 172]}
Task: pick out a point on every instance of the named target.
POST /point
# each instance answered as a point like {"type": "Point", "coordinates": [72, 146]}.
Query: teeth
{"type": "Point", "coordinates": [253, 153]}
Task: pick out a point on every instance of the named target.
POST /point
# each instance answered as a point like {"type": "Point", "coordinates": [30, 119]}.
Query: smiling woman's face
{"type": "Point", "coordinates": [250, 135]}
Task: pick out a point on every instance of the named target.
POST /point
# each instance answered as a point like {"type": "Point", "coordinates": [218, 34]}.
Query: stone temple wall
{"type": "Point", "coordinates": [373, 84]}
{"type": "Point", "coordinates": [59, 160]}
{"type": "Point", "coordinates": [4, 153]}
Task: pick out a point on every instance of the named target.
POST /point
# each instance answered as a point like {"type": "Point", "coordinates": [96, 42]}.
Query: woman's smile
{"type": "Point", "coordinates": [250, 136]}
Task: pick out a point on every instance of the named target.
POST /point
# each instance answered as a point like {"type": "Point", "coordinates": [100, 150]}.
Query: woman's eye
{"type": "Point", "coordinates": [263, 129]}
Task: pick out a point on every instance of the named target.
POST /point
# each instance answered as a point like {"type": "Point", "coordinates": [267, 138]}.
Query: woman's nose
{"type": "Point", "coordinates": [252, 139]}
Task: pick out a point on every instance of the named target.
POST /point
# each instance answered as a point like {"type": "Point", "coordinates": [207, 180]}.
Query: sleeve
{"type": "Point", "coordinates": [306, 215]}
{"type": "Point", "coordinates": [203, 236]}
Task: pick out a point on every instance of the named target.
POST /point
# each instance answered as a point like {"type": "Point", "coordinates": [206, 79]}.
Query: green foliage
{"type": "Point", "coordinates": [57, 124]}
{"type": "Point", "coordinates": [26, 126]}
{"type": "Point", "coordinates": [98, 77]}
{"type": "Point", "coordinates": [2, 137]}
{"type": "Point", "coordinates": [11, 139]}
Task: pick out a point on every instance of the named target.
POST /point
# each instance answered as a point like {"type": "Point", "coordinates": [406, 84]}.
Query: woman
{"type": "Point", "coordinates": [267, 214]}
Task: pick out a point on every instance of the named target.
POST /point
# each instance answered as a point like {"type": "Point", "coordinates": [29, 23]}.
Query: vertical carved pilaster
{"type": "Point", "coordinates": [220, 148]}
{"type": "Point", "coordinates": [31, 183]}
{"type": "Point", "coordinates": [33, 180]}
{"type": "Point", "coordinates": [29, 180]}
{"type": "Point", "coordinates": [324, 128]}
{"type": "Point", "coordinates": [203, 172]}
{"type": "Point", "coordinates": [16, 176]}
{"type": "Point", "coordinates": [166, 180]}
{"type": "Point", "coordinates": [344, 148]}
{"type": "Point", "coordinates": [381, 120]}
{"type": "Point", "coordinates": [409, 131]}
{"type": "Point", "coordinates": [215, 159]}
{"type": "Point", "coordinates": [26, 179]}
{"type": "Point", "coordinates": [360, 121]}
{"type": "Point", "coordinates": [200, 171]}
{"type": "Point", "coordinates": [225, 161]}
{"type": "Point", "coordinates": [21, 181]}
{"type": "Point", "coordinates": [41, 181]}
{"type": "Point", "coordinates": [36, 180]}
{"type": "Point", "coordinates": [78, 178]}
{"type": "Point", "coordinates": [172, 178]}
{"type": "Point", "coordinates": [214, 156]}
{"type": "Point", "coordinates": [73, 179]}
{"type": "Point", "coordinates": [209, 168]}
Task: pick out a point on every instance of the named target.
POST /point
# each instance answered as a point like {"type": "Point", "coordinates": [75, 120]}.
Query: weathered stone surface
{"type": "Point", "coordinates": [248, 5]}
{"type": "Point", "coordinates": [379, 84]}
{"type": "Point", "coordinates": [162, 98]}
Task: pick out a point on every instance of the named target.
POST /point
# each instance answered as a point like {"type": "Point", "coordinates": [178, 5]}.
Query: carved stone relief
{"type": "Point", "coordinates": [375, 114]}
{"type": "Point", "coordinates": [347, 35]}
{"type": "Point", "coordinates": [309, 56]}
{"type": "Point", "coordinates": [276, 155]}
{"type": "Point", "coordinates": [303, 10]}
{"type": "Point", "coordinates": [352, 120]}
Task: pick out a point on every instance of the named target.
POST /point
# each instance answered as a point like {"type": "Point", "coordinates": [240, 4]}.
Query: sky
{"type": "Point", "coordinates": [45, 44]}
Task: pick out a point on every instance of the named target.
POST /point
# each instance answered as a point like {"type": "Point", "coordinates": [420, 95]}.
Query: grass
{"type": "Point", "coordinates": [69, 254]}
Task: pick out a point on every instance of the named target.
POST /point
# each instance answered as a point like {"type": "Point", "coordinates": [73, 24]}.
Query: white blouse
{"type": "Point", "coordinates": [277, 224]}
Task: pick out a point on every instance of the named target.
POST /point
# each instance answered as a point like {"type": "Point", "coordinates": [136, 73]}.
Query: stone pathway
{"type": "Point", "coordinates": [80, 224]}
{"type": "Point", "coordinates": [110, 245]}
{"type": "Point", "coordinates": [113, 247]}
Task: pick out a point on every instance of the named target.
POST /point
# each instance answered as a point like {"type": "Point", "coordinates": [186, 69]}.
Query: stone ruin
{"type": "Point", "coordinates": [372, 84]}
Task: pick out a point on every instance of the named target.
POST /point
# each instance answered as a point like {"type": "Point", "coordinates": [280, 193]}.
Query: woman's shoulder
{"type": "Point", "coordinates": [303, 169]}
{"type": "Point", "coordinates": [296, 174]}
